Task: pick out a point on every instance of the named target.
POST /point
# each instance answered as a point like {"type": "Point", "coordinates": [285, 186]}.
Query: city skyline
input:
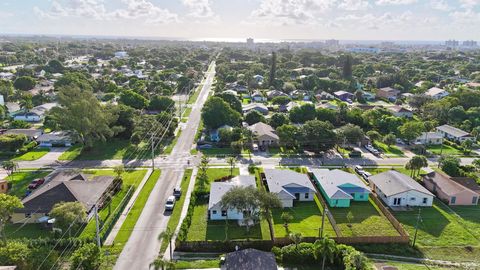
{"type": "Point", "coordinates": [434, 20]}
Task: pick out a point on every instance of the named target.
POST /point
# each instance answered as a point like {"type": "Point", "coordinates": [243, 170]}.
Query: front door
{"type": "Point", "coordinates": [297, 196]}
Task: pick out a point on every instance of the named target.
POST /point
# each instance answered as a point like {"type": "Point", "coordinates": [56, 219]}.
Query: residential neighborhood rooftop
{"type": "Point", "coordinates": [393, 182]}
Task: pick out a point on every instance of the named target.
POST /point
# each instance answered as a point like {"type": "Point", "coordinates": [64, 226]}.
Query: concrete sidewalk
{"type": "Point", "coordinates": [183, 214]}
{"type": "Point", "coordinates": [119, 223]}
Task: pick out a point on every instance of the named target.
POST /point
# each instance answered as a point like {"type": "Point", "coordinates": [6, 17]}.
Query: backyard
{"type": "Point", "coordinates": [307, 220]}
{"type": "Point", "coordinates": [440, 227]}
{"type": "Point", "coordinates": [444, 150]}
{"type": "Point", "coordinates": [362, 219]}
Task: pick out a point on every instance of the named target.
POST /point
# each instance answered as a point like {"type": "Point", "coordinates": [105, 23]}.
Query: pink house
{"type": "Point", "coordinates": [448, 190]}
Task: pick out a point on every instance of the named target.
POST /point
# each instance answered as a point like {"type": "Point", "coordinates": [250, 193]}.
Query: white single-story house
{"type": "Point", "coordinates": [218, 189]}
{"type": "Point", "coordinates": [436, 93]}
{"type": "Point", "coordinates": [434, 138]}
{"type": "Point", "coordinates": [453, 133]}
{"type": "Point", "coordinates": [397, 189]}
{"type": "Point", "coordinates": [57, 138]}
{"type": "Point", "coordinates": [257, 96]}
{"type": "Point", "coordinates": [36, 114]}
{"type": "Point", "coordinates": [289, 186]}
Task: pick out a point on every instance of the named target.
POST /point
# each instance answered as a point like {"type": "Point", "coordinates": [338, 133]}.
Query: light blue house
{"type": "Point", "coordinates": [339, 187]}
{"type": "Point", "coordinates": [215, 133]}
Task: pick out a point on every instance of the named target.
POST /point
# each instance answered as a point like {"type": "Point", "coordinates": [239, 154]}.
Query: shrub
{"type": "Point", "coordinates": [301, 255]}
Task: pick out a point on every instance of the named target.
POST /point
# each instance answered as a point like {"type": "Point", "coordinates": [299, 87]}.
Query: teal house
{"type": "Point", "coordinates": [339, 188]}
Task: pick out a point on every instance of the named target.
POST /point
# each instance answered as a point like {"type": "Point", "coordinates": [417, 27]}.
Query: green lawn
{"type": "Point", "coordinates": [111, 149]}
{"type": "Point", "coordinates": [389, 151]}
{"type": "Point", "coordinates": [172, 143]}
{"type": "Point", "coordinates": [33, 154]}
{"type": "Point", "coordinates": [412, 266]}
{"type": "Point", "coordinates": [20, 181]}
{"type": "Point", "coordinates": [282, 151]}
{"type": "Point", "coordinates": [469, 217]}
{"type": "Point", "coordinates": [30, 231]}
{"type": "Point", "coordinates": [133, 177]}
{"type": "Point", "coordinates": [307, 219]}
{"type": "Point", "coordinates": [197, 264]}
{"type": "Point", "coordinates": [175, 216]}
{"type": "Point", "coordinates": [202, 229]}
{"type": "Point", "coordinates": [445, 150]}
{"type": "Point", "coordinates": [186, 112]}
{"type": "Point", "coordinates": [216, 173]}
{"type": "Point", "coordinates": [439, 227]}
{"type": "Point", "coordinates": [398, 169]}
{"type": "Point", "coordinates": [194, 96]}
{"type": "Point", "coordinates": [364, 217]}
{"type": "Point", "coordinates": [218, 151]}
{"type": "Point", "coordinates": [133, 215]}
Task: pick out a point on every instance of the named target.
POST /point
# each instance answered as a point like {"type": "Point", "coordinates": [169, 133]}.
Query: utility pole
{"type": "Point", "coordinates": [97, 231]}
{"type": "Point", "coordinates": [323, 221]}
{"type": "Point", "coordinates": [153, 151]}
{"type": "Point", "coordinates": [416, 227]}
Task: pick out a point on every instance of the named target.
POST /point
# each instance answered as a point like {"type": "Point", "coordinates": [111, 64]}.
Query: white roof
{"type": "Point", "coordinates": [218, 189]}
{"type": "Point", "coordinates": [393, 182]}
{"type": "Point", "coordinates": [456, 132]}
{"type": "Point", "coordinates": [331, 180]}
{"type": "Point", "coordinates": [430, 135]}
{"type": "Point", "coordinates": [434, 91]}
{"type": "Point", "coordinates": [278, 180]}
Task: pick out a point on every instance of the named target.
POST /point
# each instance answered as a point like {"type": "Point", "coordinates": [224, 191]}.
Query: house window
{"type": "Point", "coordinates": [28, 215]}
{"type": "Point", "coordinates": [412, 199]}
{"type": "Point", "coordinates": [360, 196]}
{"type": "Point", "coordinates": [453, 200]}
{"type": "Point", "coordinates": [224, 213]}
{"type": "Point", "coordinates": [214, 212]}
{"type": "Point", "coordinates": [307, 195]}
{"type": "Point", "coordinates": [474, 200]}
{"type": "Point", "coordinates": [425, 200]}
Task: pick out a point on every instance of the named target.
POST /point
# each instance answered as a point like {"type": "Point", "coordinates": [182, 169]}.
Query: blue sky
{"type": "Point", "coordinates": [261, 19]}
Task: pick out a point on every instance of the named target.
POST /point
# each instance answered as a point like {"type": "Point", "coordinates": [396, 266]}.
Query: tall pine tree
{"type": "Point", "coordinates": [347, 67]}
{"type": "Point", "coordinates": [273, 70]}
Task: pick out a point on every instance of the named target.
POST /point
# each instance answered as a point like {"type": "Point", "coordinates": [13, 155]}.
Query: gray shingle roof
{"type": "Point", "coordinates": [261, 129]}
{"type": "Point", "coordinates": [278, 179]}
{"type": "Point", "coordinates": [67, 187]}
{"type": "Point", "coordinates": [330, 180]}
{"type": "Point", "coordinates": [250, 259]}
{"type": "Point", "coordinates": [393, 182]}
{"type": "Point", "coordinates": [218, 189]}
{"type": "Point", "coordinates": [453, 131]}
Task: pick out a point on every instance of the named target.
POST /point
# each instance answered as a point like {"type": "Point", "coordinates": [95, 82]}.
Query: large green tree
{"type": "Point", "coordinates": [68, 215]}
{"type": "Point", "coordinates": [24, 83]}
{"type": "Point", "coordinates": [8, 204]}
{"type": "Point", "coordinates": [317, 135]}
{"type": "Point", "coordinates": [87, 257]}
{"type": "Point", "coordinates": [81, 112]}
{"type": "Point", "coordinates": [216, 112]}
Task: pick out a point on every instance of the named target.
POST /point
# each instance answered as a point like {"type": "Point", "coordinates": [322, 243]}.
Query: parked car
{"type": "Point", "coordinates": [355, 154]}
{"type": "Point", "coordinates": [205, 146]}
{"type": "Point", "coordinates": [255, 147]}
{"type": "Point", "coordinates": [358, 169]}
{"type": "Point", "coordinates": [177, 192]}
{"type": "Point", "coordinates": [170, 203]}
{"type": "Point", "coordinates": [400, 141]}
{"type": "Point", "coordinates": [36, 183]}
{"type": "Point", "coordinates": [365, 175]}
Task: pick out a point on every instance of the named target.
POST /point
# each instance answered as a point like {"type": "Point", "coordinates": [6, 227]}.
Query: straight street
{"type": "Point", "coordinates": [143, 246]}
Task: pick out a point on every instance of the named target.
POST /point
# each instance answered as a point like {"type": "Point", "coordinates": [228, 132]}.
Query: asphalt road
{"type": "Point", "coordinates": [143, 246]}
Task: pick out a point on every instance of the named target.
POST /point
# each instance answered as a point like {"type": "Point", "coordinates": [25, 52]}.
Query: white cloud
{"type": "Point", "coordinates": [95, 9]}
{"type": "Point", "coordinates": [199, 8]}
{"type": "Point", "coordinates": [468, 17]}
{"type": "Point", "coordinates": [395, 2]}
{"type": "Point", "coordinates": [291, 11]}
{"type": "Point", "coordinates": [372, 21]}
{"type": "Point", "coordinates": [5, 15]}
{"type": "Point", "coordinates": [354, 5]}
{"type": "Point", "coordinates": [468, 4]}
{"type": "Point", "coordinates": [441, 5]}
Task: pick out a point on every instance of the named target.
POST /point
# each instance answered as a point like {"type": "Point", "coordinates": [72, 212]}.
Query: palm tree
{"type": "Point", "coordinates": [167, 235]}
{"type": "Point", "coordinates": [26, 103]}
{"type": "Point", "coordinates": [296, 238]}
{"type": "Point", "coordinates": [326, 249]}
{"type": "Point", "coordinates": [231, 161]}
{"type": "Point", "coordinates": [268, 201]}
{"type": "Point", "coordinates": [159, 263]}
{"type": "Point", "coordinates": [415, 164]}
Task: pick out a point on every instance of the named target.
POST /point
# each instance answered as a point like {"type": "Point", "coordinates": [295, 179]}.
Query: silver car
{"type": "Point", "coordinates": [170, 203]}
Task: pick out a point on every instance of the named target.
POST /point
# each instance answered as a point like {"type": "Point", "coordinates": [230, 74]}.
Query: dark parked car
{"type": "Point", "coordinates": [355, 154]}
{"type": "Point", "coordinates": [177, 192]}
{"type": "Point", "coordinates": [36, 183]}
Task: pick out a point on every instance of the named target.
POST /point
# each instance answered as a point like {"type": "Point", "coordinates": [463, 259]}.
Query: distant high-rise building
{"type": "Point", "coordinates": [332, 42]}
{"type": "Point", "coordinates": [451, 43]}
{"type": "Point", "coordinates": [469, 43]}
{"type": "Point", "coordinates": [250, 43]}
